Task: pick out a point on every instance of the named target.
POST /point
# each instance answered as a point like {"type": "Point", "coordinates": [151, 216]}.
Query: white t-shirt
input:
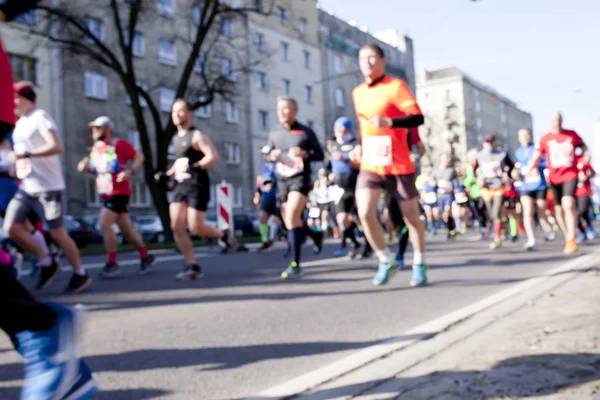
{"type": "Point", "coordinates": [37, 174]}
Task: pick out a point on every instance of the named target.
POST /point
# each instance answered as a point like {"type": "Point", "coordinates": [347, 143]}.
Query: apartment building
{"type": "Point", "coordinates": [460, 111]}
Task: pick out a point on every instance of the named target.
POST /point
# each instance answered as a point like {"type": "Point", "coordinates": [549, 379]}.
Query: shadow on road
{"type": "Point", "coordinates": [520, 377]}
{"type": "Point", "coordinates": [13, 393]}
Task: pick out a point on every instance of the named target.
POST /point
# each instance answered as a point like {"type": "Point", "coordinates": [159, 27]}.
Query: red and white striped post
{"type": "Point", "coordinates": [224, 206]}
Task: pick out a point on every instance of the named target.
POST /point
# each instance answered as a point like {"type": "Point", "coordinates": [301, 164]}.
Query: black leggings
{"type": "Point", "coordinates": [479, 211]}
{"type": "Point", "coordinates": [583, 212]}
{"type": "Point", "coordinates": [19, 311]}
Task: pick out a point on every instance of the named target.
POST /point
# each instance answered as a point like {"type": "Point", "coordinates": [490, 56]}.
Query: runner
{"type": "Point", "coordinates": [44, 335]}
{"type": "Point", "coordinates": [561, 146]}
{"type": "Point", "coordinates": [108, 161]}
{"type": "Point", "coordinates": [493, 167]}
{"type": "Point", "coordinates": [584, 202]}
{"type": "Point", "coordinates": [322, 192]}
{"type": "Point", "coordinates": [476, 202]}
{"type": "Point", "coordinates": [430, 201]}
{"type": "Point", "coordinates": [386, 108]}
{"type": "Point", "coordinates": [512, 207]}
{"type": "Point", "coordinates": [345, 173]}
{"type": "Point", "coordinates": [266, 200]}
{"type": "Point", "coordinates": [293, 147]}
{"type": "Point", "coordinates": [194, 155]}
{"type": "Point", "coordinates": [532, 190]}
{"type": "Point", "coordinates": [445, 181]}
{"type": "Point", "coordinates": [36, 153]}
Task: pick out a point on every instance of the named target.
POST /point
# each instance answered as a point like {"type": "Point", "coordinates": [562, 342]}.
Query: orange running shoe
{"type": "Point", "coordinates": [570, 246]}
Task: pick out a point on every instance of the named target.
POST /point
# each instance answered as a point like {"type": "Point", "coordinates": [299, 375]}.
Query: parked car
{"type": "Point", "coordinates": [151, 229]}
{"type": "Point", "coordinates": [80, 231]}
{"type": "Point", "coordinates": [243, 225]}
{"type": "Point", "coordinates": [93, 220]}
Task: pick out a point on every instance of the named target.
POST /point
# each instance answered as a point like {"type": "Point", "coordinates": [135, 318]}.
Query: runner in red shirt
{"type": "Point", "coordinates": [561, 147]}
{"type": "Point", "coordinates": [108, 161]}
{"type": "Point", "coordinates": [583, 195]}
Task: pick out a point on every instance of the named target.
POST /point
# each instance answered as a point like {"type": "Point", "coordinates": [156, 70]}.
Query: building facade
{"type": "Point", "coordinates": [340, 42]}
{"type": "Point", "coordinates": [459, 112]}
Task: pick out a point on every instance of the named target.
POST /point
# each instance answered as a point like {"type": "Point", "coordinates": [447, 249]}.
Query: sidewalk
{"type": "Point", "coordinates": [547, 347]}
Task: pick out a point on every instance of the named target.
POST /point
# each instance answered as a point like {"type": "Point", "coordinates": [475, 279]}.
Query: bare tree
{"type": "Point", "coordinates": [205, 31]}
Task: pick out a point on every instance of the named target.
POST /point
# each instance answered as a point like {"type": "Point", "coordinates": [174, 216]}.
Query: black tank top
{"type": "Point", "coordinates": [183, 147]}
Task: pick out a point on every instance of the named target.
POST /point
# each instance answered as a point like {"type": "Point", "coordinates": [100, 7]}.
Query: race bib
{"type": "Point", "coordinates": [444, 186]}
{"type": "Point", "coordinates": [182, 169]}
{"type": "Point", "coordinates": [23, 168]}
{"type": "Point", "coordinates": [336, 193]}
{"type": "Point", "coordinates": [532, 177]}
{"type": "Point", "coordinates": [290, 166]}
{"type": "Point", "coordinates": [461, 197]}
{"type": "Point", "coordinates": [430, 198]}
{"type": "Point", "coordinates": [314, 213]}
{"type": "Point", "coordinates": [562, 155]}
{"type": "Point", "coordinates": [377, 151]}
{"type": "Point", "coordinates": [104, 183]}
{"type": "Point", "coordinates": [491, 170]}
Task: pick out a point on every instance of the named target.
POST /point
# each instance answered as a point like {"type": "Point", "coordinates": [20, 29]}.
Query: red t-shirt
{"type": "Point", "coordinates": [7, 96]}
{"type": "Point", "coordinates": [584, 186]}
{"type": "Point", "coordinates": [108, 160]}
{"type": "Point", "coordinates": [559, 149]}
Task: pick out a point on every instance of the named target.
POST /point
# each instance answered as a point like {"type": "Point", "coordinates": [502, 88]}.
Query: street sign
{"type": "Point", "coordinates": [224, 206]}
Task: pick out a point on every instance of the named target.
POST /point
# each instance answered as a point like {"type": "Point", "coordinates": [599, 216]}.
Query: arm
{"type": "Point", "coordinates": [203, 143]}
{"type": "Point", "coordinates": [315, 153]}
{"type": "Point", "coordinates": [410, 121]}
{"type": "Point", "coordinates": [137, 162]}
{"type": "Point", "coordinates": [52, 146]}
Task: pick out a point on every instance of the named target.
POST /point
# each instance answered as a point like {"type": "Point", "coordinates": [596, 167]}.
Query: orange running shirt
{"type": "Point", "coordinates": [385, 151]}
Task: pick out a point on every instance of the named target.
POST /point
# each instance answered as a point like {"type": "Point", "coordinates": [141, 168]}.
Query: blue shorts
{"type": "Point", "coordinates": [268, 204]}
{"type": "Point", "coordinates": [445, 201]}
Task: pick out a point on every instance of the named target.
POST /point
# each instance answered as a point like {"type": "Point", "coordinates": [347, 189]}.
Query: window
{"type": "Point", "coordinates": [96, 28]}
{"type": "Point", "coordinates": [232, 153]}
{"type": "Point", "coordinates": [260, 42]}
{"type": "Point", "coordinates": [200, 64]}
{"type": "Point", "coordinates": [25, 68]}
{"type": "Point", "coordinates": [137, 47]}
{"type": "Point", "coordinates": [282, 15]}
{"type": "Point", "coordinates": [165, 8]}
{"type": "Point", "coordinates": [140, 197]}
{"type": "Point", "coordinates": [263, 120]}
{"type": "Point", "coordinates": [27, 18]}
{"type": "Point", "coordinates": [133, 137]}
{"type": "Point", "coordinates": [261, 78]}
{"type": "Point", "coordinates": [227, 69]}
{"type": "Point", "coordinates": [226, 29]}
{"type": "Point", "coordinates": [287, 86]}
{"type": "Point", "coordinates": [141, 99]}
{"type": "Point", "coordinates": [303, 26]}
{"type": "Point", "coordinates": [337, 63]}
{"type": "Point", "coordinates": [340, 98]}
{"type": "Point", "coordinates": [167, 98]}
{"type": "Point", "coordinates": [307, 60]}
{"type": "Point", "coordinates": [167, 53]}
{"type": "Point", "coordinates": [257, 5]}
{"type": "Point", "coordinates": [197, 15]}
{"type": "Point", "coordinates": [308, 94]}
{"type": "Point", "coordinates": [204, 111]}
{"type": "Point", "coordinates": [238, 197]}
{"type": "Point", "coordinates": [285, 49]}
{"type": "Point", "coordinates": [95, 86]}
{"type": "Point", "coordinates": [231, 113]}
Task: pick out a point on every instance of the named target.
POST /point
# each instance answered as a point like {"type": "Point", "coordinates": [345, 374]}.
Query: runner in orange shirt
{"type": "Point", "coordinates": [386, 108]}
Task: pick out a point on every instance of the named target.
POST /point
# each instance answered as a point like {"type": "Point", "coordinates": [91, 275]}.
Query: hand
{"type": "Point", "coordinates": [275, 155]}
{"type": "Point", "coordinates": [332, 177]}
{"type": "Point", "coordinates": [83, 165]}
{"type": "Point", "coordinates": [124, 175]}
{"type": "Point", "coordinates": [413, 158]}
{"type": "Point", "coordinates": [12, 157]}
{"type": "Point", "coordinates": [256, 200]}
{"type": "Point", "coordinates": [296, 152]}
{"type": "Point", "coordinates": [356, 154]}
{"type": "Point", "coordinates": [170, 172]}
{"type": "Point", "coordinates": [336, 155]}
{"type": "Point", "coordinates": [380, 122]}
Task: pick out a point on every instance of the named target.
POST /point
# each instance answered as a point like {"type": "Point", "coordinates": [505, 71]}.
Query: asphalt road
{"type": "Point", "coordinates": [242, 330]}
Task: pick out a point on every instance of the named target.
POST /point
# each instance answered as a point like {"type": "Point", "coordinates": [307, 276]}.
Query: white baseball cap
{"type": "Point", "coordinates": [101, 122]}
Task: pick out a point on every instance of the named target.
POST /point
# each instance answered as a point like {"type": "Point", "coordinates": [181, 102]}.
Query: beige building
{"type": "Point", "coordinates": [459, 112]}
{"type": "Point", "coordinates": [285, 47]}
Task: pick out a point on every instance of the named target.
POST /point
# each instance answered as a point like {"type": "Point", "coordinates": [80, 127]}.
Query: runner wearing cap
{"type": "Point", "coordinates": [108, 162]}
{"type": "Point", "coordinates": [386, 108]}
{"type": "Point", "coordinates": [561, 147]}
{"type": "Point", "coordinates": [37, 149]}
{"type": "Point", "coordinates": [266, 201]}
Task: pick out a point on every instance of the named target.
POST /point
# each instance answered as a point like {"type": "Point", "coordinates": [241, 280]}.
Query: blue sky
{"type": "Point", "coordinates": [534, 52]}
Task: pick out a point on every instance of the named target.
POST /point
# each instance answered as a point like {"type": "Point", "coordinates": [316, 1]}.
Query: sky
{"type": "Point", "coordinates": [535, 52]}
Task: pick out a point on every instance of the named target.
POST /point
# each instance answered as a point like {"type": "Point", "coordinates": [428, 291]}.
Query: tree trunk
{"type": "Point", "coordinates": [159, 198]}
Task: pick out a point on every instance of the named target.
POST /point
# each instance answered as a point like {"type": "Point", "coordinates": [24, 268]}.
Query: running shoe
{"type": "Point", "coordinates": [353, 253]}
{"type": "Point", "coordinates": [365, 254]}
{"type": "Point", "coordinates": [451, 235]}
{"type": "Point", "coordinates": [514, 239]}
{"type": "Point", "coordinates": [293, 271]}
{"type": "Point", "coordinates": [550, 236]}
{"type": "Point", "coordinates": [529, 245]}
{"type": "Point", "coordinates": [265, 246]}
{"type": "Point", "coordinates": [384, 272]}
{"type": "Point", "coordinates": [146, 264]}
{"type": "Point", "coordinates": [341, 252]}
{"type": "Point", "coordinates": [78, 283]}
{"type": "Point", "coordinates": [580, 237]}
{"type": "Point", "coordinates": [190, 272]}
{"type": "Point", "coordinates": [47, 275]}
{"type": "Point", "coordinates": [229, 240]}
{"type": "Point", "coordinates": [419, 276]}
{"type": "Point", "coordinates": [590, 233]}
{"type": "Point", "coordinates": [110, 270]}
{"type": "Point", "coordinates": [85, 387]}
{"type": "Point", "coordinates": [400, 261]}
{"type": "Point", "coordinates": [496, 244]}
{"type": "Point", "coordinates": [318, 247]}
{"type": "Point", "coordinates": [570, 246]}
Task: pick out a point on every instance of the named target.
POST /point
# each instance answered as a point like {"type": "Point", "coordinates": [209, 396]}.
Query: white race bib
{"type": "Point", "coordinates": [444, 186]}
{"type": "Point", "coordinates": [181, 169]}
{"type": "Point", "coordinates": [290, 166]}
{"type": "Point", "coordinates": [104, 183]}
{"type": "Point", "coordinates": [314, 213]}
{"type": "Point", "coordinates": [461, 197]}
{"type": "Point", "coordinates": [430, 198]}
{"type": "Point", "coordinates": [23, 168]}
{"type": "Point", "coordinates": [377, 150]}
{"type": "Point", "coordinates": [492, 169]}
{"type": "Point", "coordinates": [561, 155]}
{"type": "Point", "coordinates": [532, 177]}
{"type": "Point", "coordinates": [336, 193]}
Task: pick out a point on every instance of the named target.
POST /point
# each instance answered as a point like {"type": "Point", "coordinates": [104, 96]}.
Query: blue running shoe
{"type": "Point", "coordinates": [51, 363]}
{"type": "Point", "coordinates": [341, 252]}
{"type": "Point", "coordinates": [580, 237]}
{"type": "Point", "coordinates": [419, 275]}
{"type": "Point", "coordinates": [400, 261]}
{"type": "Point", "coordinates": [384, 271]}
{"type": "Point", "coordinates": [590, 233]}
{"type": "Point", "coordinates": [85, 387]}
{"type": "Point", "coordinates": [293, 271]}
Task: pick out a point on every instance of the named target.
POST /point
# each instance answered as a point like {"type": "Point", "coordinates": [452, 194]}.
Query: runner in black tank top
{"type": "Point", "coordinates": [194, 154]}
